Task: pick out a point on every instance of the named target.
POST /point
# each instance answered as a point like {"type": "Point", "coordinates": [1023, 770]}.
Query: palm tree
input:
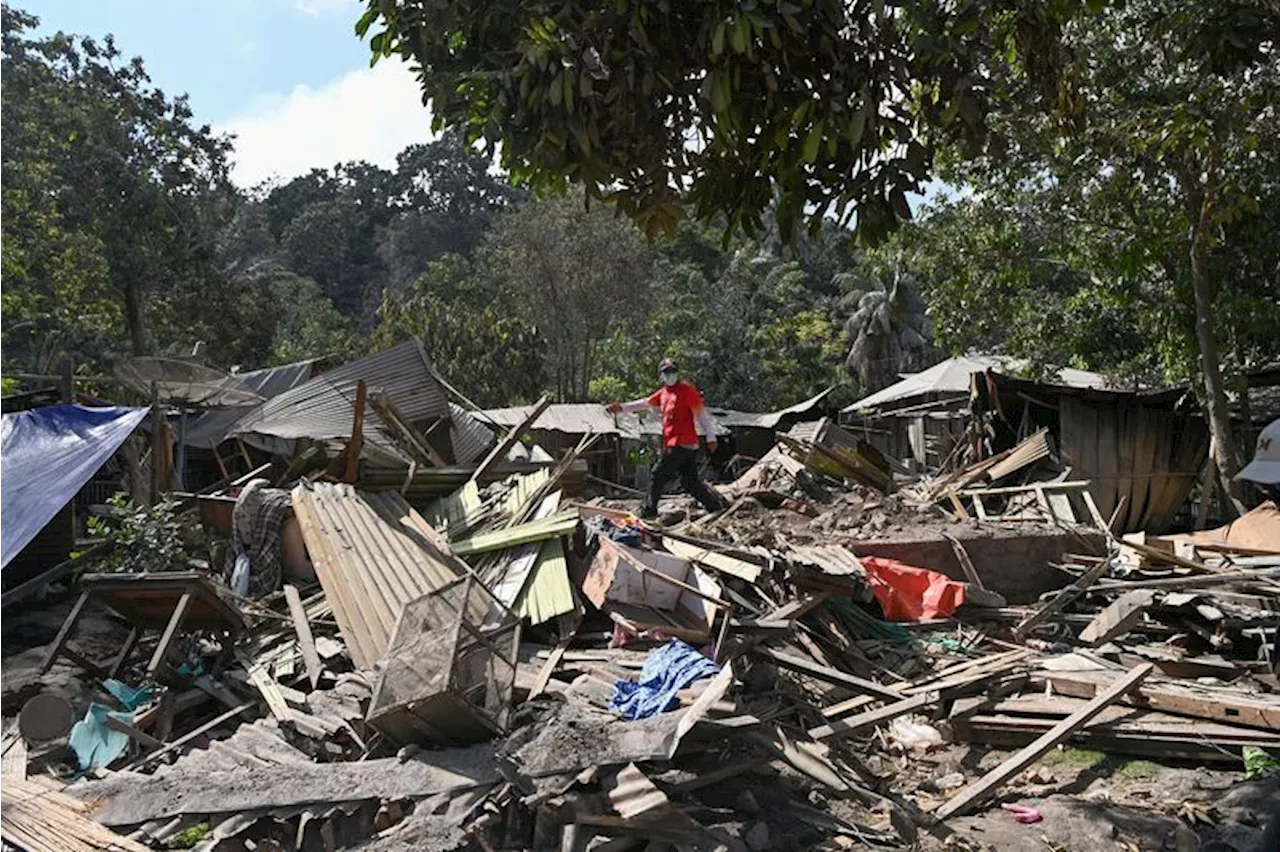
{"type": "Point", "coordinates": [887, 321]}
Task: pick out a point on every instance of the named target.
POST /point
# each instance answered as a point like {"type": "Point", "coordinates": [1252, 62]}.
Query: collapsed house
{"type": "Point", "coordinates": [425, 630]}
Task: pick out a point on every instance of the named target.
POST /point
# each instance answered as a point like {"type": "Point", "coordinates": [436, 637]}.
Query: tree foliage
{"type": "Point", "coordinates": [1137, 239]}
{"type": "Point", "coordinates": [112, 197]}
{"type": "Point", "coordinates": [825, 106]}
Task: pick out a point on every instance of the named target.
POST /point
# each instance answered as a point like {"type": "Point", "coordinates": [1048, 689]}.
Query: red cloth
{"type": "Point", "coordinates": [679, 404]}
{"type": "Point", "coordinates": [907, 593]}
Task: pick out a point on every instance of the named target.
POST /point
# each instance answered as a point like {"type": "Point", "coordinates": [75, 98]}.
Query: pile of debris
{"type": "Point", "coordinates": [506, 667]}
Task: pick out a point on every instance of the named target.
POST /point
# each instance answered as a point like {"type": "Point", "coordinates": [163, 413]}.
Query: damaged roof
{"type": "Point", "coordinates": [323, 408]}
{"type": "Point", "coordinates": [953, 376]}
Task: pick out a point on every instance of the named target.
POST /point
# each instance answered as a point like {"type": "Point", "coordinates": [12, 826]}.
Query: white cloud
{"type": "Point", "coordinates": [370, 114]}
{"type": "Point", "coordinates": [324, 7]}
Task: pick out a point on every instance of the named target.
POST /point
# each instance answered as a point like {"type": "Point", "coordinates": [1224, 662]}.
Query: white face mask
{"type": "Point", "coordinates": [669, 379]}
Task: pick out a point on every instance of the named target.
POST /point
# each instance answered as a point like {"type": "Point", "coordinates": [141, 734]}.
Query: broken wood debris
{"type": "Point", "coordinates": [347, 702]}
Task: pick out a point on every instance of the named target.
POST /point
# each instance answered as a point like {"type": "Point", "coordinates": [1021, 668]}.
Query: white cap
{"type": "Point", "coordinates": [1265, 467]}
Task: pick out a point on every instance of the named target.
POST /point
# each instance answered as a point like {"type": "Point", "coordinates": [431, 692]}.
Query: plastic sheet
{"type": "Point", "coordinates": [907, 593]}
{"type": "Point", "coordinates": [46, 456]}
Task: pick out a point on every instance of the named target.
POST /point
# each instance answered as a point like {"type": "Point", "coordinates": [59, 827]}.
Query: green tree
{"type": "Point", "coordinates": [1150, 200]}
{"type": "Point", "coordinates": [576, 272]}
{"type": "Point", "coordinates": [826, 105]}
{"type": "Point", "coordinates": [112, 195]}
{"type": "Point", "coordinates": [495, 357]}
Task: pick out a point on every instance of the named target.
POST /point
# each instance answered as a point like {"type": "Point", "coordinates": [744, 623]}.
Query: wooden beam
{"type": "Point", "coordinates": [64, 633]}
{"type": "Point", "coordinates": [1196, 582]}
{"type": "Point", "coordinates": [142, 737]}
{"type": "Point", "coordinates": [306, 641]}
{"type": "Point", "coordinates": [1121, 616]}
{"type": "Point", "coordinates": [979, 790]}
{"type": "Point", "coordinates": [170, 632]}
{"type": "Point", "coordinates": [830, 675]}
{"type": "Point", "coordinates": [870, 718]}
{"type": "Point", "coordinates": [1217, 705]}
{"type": "Point", "coordinates": [1066, 595]}
{"type": "Point", "coordinates": [183, 740]}
{"type": "Point", "coordinates": [500, 449]}
{"type": "Point", "coordinates": [357, 435]}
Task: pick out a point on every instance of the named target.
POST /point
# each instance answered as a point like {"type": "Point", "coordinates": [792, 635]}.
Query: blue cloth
{"type": "Point", "coordinates": [93, 742]}
{"type": "Point", "coordinates": [47, 455]}
{"type": "Point", "coordinates": [132, 698]}
{"type": "Point", "coordinates": [667, 670]}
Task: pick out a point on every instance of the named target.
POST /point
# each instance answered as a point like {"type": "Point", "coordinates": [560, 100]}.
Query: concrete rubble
{"type": "Point", "coordinates": [959, 660]}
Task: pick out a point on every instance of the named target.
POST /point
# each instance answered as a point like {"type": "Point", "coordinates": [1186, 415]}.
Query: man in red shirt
{"type": "Point", "coordinates": [683, 413]}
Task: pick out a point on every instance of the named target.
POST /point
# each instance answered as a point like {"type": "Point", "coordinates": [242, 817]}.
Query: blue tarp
{"type": "Point", "coordinates": [46, 456]}
{"type": "Point", "coordinates": [667, 670]}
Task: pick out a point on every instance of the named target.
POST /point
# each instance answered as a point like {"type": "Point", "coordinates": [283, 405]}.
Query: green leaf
{"type": "Point", "coordinates": [556, 91]}
{"type": "Point", "coordinates": [811, 144]}
{"type": "Point", "coordinates": [741, 31]}
{"type": "Point", "coordinates": [717, 39]}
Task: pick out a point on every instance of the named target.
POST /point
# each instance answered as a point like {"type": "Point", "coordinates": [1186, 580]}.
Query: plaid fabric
{"type": "Point", "coordinates": [256, 523]}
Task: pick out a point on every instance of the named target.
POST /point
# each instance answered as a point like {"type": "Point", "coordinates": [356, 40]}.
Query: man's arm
{"type": "Point", "coordinates": [703, 419]}
{"type": "Point", "coordinates": [635, 405]}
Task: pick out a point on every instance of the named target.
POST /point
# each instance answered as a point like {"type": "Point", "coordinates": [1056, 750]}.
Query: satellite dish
{"type": "Point", "coordinates": [184, 384]}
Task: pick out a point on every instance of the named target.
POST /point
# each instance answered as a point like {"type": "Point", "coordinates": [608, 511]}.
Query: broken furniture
{"type": "Point", "coordinates": [450, 668]}
{"type": "Point", "coordinates": [170, 602]}
{"type": "Point", "coordinates": [649, 590]}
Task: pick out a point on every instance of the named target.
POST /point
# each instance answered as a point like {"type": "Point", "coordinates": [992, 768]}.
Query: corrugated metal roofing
{"type": "Point", "coordinates": [324, 407]}
{"type": "Point", "coordinates": [953, 375]}
{"type": "Point", "coordinates": [548, 592]}
{"type": "Point", "coordinates": [211, 427]}
{"type": "Point", "coordinates": [372, 554]}
{"type": "Point", "coordinates": [471, 438]}
{"type": "Point", "coordinates": [747, 419]}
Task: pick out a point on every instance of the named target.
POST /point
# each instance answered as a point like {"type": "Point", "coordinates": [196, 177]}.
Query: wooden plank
{"type": "Point", "coordinates": [1157, 555]}
{"type": "Point", "coordinates": [951, 678]}
{"type": "Point", "coordinates": [500, 449]}
{"type": "Point", "coordinates": [357, 435]}
{"type": "Point", "coordinates": [549, 667]}
{"type": "Point", "coordinates": [1198, 581]}
{"type": "Point", "coordinates": [1066, 595]}
{"type": "Point", "coordinates": [183, 740]}
{"type": "Point", "coordinates": [270, 692]}
{"type": "Point", "coordinates": [64, 632]}
{"type": "Point", "coordinates": [142, 737]}
{"type": "Point", "coordinates": [14, 762]}
{"type": "Point", "coordinates": [306, 641]}
{"type": "Point", "coordinates": [870, 718]}
{"type": "Point", "coordinates": [830, 675]}
{"type": "Point", "coordinates": [1119, 618]}
{"type": "Point", "coordinates": [1216, 705]}
{"type": "Point", "coordinates": [170, 632]}
{"type": "Point", "coordinates": [1024, 489]}
{"type": "Point", "coordinates": [982, 788]}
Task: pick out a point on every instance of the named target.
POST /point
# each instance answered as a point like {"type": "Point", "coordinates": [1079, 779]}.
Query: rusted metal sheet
{"type": "Point", "coordinates": [324, 407]}
{"type": "Point", "coordinates": [373, 554]}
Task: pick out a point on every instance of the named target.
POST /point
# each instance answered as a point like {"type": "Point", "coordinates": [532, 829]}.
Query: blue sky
{"type": "Point", "coordinates": [288, 77]}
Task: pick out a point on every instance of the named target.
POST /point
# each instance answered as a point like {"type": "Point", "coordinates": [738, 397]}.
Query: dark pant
{"type": "Point", "coordinates": [682, 462]}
